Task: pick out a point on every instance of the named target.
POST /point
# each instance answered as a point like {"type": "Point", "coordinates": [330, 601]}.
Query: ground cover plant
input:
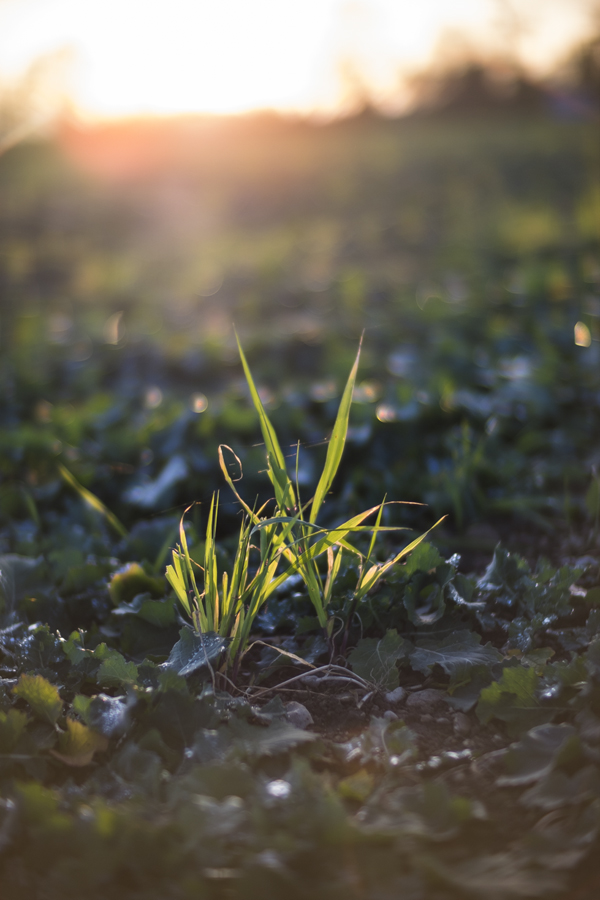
{"type": "Point", "coordinates": [425, 729]}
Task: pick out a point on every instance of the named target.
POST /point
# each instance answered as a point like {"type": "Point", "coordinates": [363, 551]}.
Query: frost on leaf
{"type": "Point", "coordinates": [193, 651]}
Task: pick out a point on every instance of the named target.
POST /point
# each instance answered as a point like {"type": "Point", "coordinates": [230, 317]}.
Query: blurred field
{"type": "Point", "coordinates": [467, 249]}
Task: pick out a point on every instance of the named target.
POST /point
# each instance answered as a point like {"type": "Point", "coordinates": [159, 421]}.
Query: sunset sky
{"type": "Point", "coordinates": [123, 57]}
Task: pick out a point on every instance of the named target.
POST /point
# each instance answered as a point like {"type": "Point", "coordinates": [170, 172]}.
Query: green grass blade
{"type": "Point", "coordinates": [376, 529]}
{"type": "Point", "coordinates": [211, 585]}
{"type": "Point", "coordinates": [366, 576]}
{"type": "Point", "coordinates": [182, 572]}
{"type": "Point", "coordinates": [375, 573]}
{"type": "Point", "coordinates": [275, 520]}
{"type": "Point", "coordinates": [189, 575]}
{"type": "Point", "coordinates": [240, 569]}
{"type": "Point", "coordinates": [333, 569]}
{"type": "Point", "coordinates": [336, 442]}
{"type": "Point", "coordinates": [94, 502]}
{"type": "Point", "coordinates": [284, 490]}
{"type": "Point", "coordinates": [178, 586]}
{"type": "Point", "coordinates": [236, 633]}
{"type": "Point", "coordinates": [334, 536]}
{"type": "Point", "coordinates": [164, 550]}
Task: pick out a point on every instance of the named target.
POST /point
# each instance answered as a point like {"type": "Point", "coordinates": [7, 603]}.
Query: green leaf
{"type": "Point", "coordinates": [337, 442]}
{"type": "Point", "coordinates": [80, 578]}
{"type": "Point", "coordinates": [116, 672]}
{"type": "Point", "coordinates": [357, 786]}
{"type": "Point", "coordinates": [12, 726]}
{"type": "Point", "coordinates": [76, 746]}
{"type": "Point", "coordinates": [422, 559]}
{"type": "Point", "coordinates": [39, 803]}
{"type": "Point", "coordinates": [278, 737]}
{"type": "Point", "coordinates": [536, 754]}
{"type": "Point", "coordinates": [427, 810]}
{"type": "Point", "coordinates": [506, 574]}
{"type": "Point", "coordinates": [457, 654]}
{"type": "Point", "coordinates": [376, 660]}
{"type": "Point", "coordinates": [42, 697]}
{"type": "Point", "coordinates": [74, 650]}
{"type": "Point", "coordinates": [193, 651]}
{"type": "Point", "coordinates": [463, 695]}
{"type": "Point", "coordinates": [558, 789]}
{"type": "Point", "coordinates": [159, 613]}
{"type": "Point", "coordinates": [400, 742]}
{"type": "Point", "coordinates": [593, 596]}
{"type": "Point", "coordinates": [424, 602]}
{"type": "Point", "coordinates": [513, 699]}
{"type": "Point", "coordinates": [106, 715]}
{"type": "Point", "coordinates": [131, 580]}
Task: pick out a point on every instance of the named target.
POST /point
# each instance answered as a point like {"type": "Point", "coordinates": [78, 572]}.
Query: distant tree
{"type": "Point", "coordinates": [477, 87]}
{"type": "Point", "coordinates": [586, 66]}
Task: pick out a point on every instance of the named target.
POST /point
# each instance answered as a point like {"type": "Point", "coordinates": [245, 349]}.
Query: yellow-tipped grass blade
{"type": "Point", "coordinates": [284, 491]}
{"type": "Point", "coordinates": [337, 442]}
{"type": "Point", "coordinates": [91, 500]}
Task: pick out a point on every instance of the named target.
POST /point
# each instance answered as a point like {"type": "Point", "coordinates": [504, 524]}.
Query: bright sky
{"type": "Point", "coordinates": [125, 57]}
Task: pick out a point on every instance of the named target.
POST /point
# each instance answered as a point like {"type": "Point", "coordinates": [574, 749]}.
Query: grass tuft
{"type": "Point", "coordinates": [289, 544]}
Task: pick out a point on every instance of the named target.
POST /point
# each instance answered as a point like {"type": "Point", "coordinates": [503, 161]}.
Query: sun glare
{"type": "Point", "coordinates": [177, 56]}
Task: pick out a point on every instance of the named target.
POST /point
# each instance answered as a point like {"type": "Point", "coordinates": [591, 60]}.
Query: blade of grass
{"type": "Point", "coordinates": [211, 585]}
{"type": "Point", "coordinates": [376, 572]}
{"type": "Point", "coordinates": [337, 442]}
{"type": "Point", "coordinates": [199, 613]}
{"type": "Point", "coordinates": [334, 536]}
{"type": "Point", "coordinates": [252, 514]}
{"type": "Point", "coordinates": [284, 490]}
{"type": "Point", "coordinates": [375, 530]}
{"type": "Point", "coordinates": [333, 567]}
{"type": "Point", "coordinates": [178, 586]}
{"type": "Point", "coordinates": [94, 502]}
{"type": "Point", "coordinates": [162, 553]}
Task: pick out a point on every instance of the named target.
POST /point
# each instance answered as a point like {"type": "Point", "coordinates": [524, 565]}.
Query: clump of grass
{"type": "Point", "coordinates": [290, 542]}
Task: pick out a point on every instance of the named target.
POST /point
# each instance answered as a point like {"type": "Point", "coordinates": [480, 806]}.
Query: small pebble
{"type": "Point", "coordinates": [426, 718]}
{"type": "Point", "coordinates": [462, 724]}
{"type": "Point", "coordinates": [422, 700]}
{"type": "Point", "coordinates": [390, 715]}
{"type": "Point", "coordinates": [396, 696]}
{"type": "Point", "coordinates": [298, 714]}
{"type": "Point", "coordinates": [442, 720]}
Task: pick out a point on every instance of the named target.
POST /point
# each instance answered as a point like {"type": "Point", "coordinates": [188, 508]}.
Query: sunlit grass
{"type": "Point", "coordinates": [272, 548]}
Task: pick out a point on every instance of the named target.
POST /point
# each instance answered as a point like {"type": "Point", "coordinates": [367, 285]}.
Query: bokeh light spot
{"type": "Point", "coordinates": [153, 397]}
{"type": "Point", "coordinates": [198, 403]}
{"type": "Point", "coordinates": [583, 337]}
